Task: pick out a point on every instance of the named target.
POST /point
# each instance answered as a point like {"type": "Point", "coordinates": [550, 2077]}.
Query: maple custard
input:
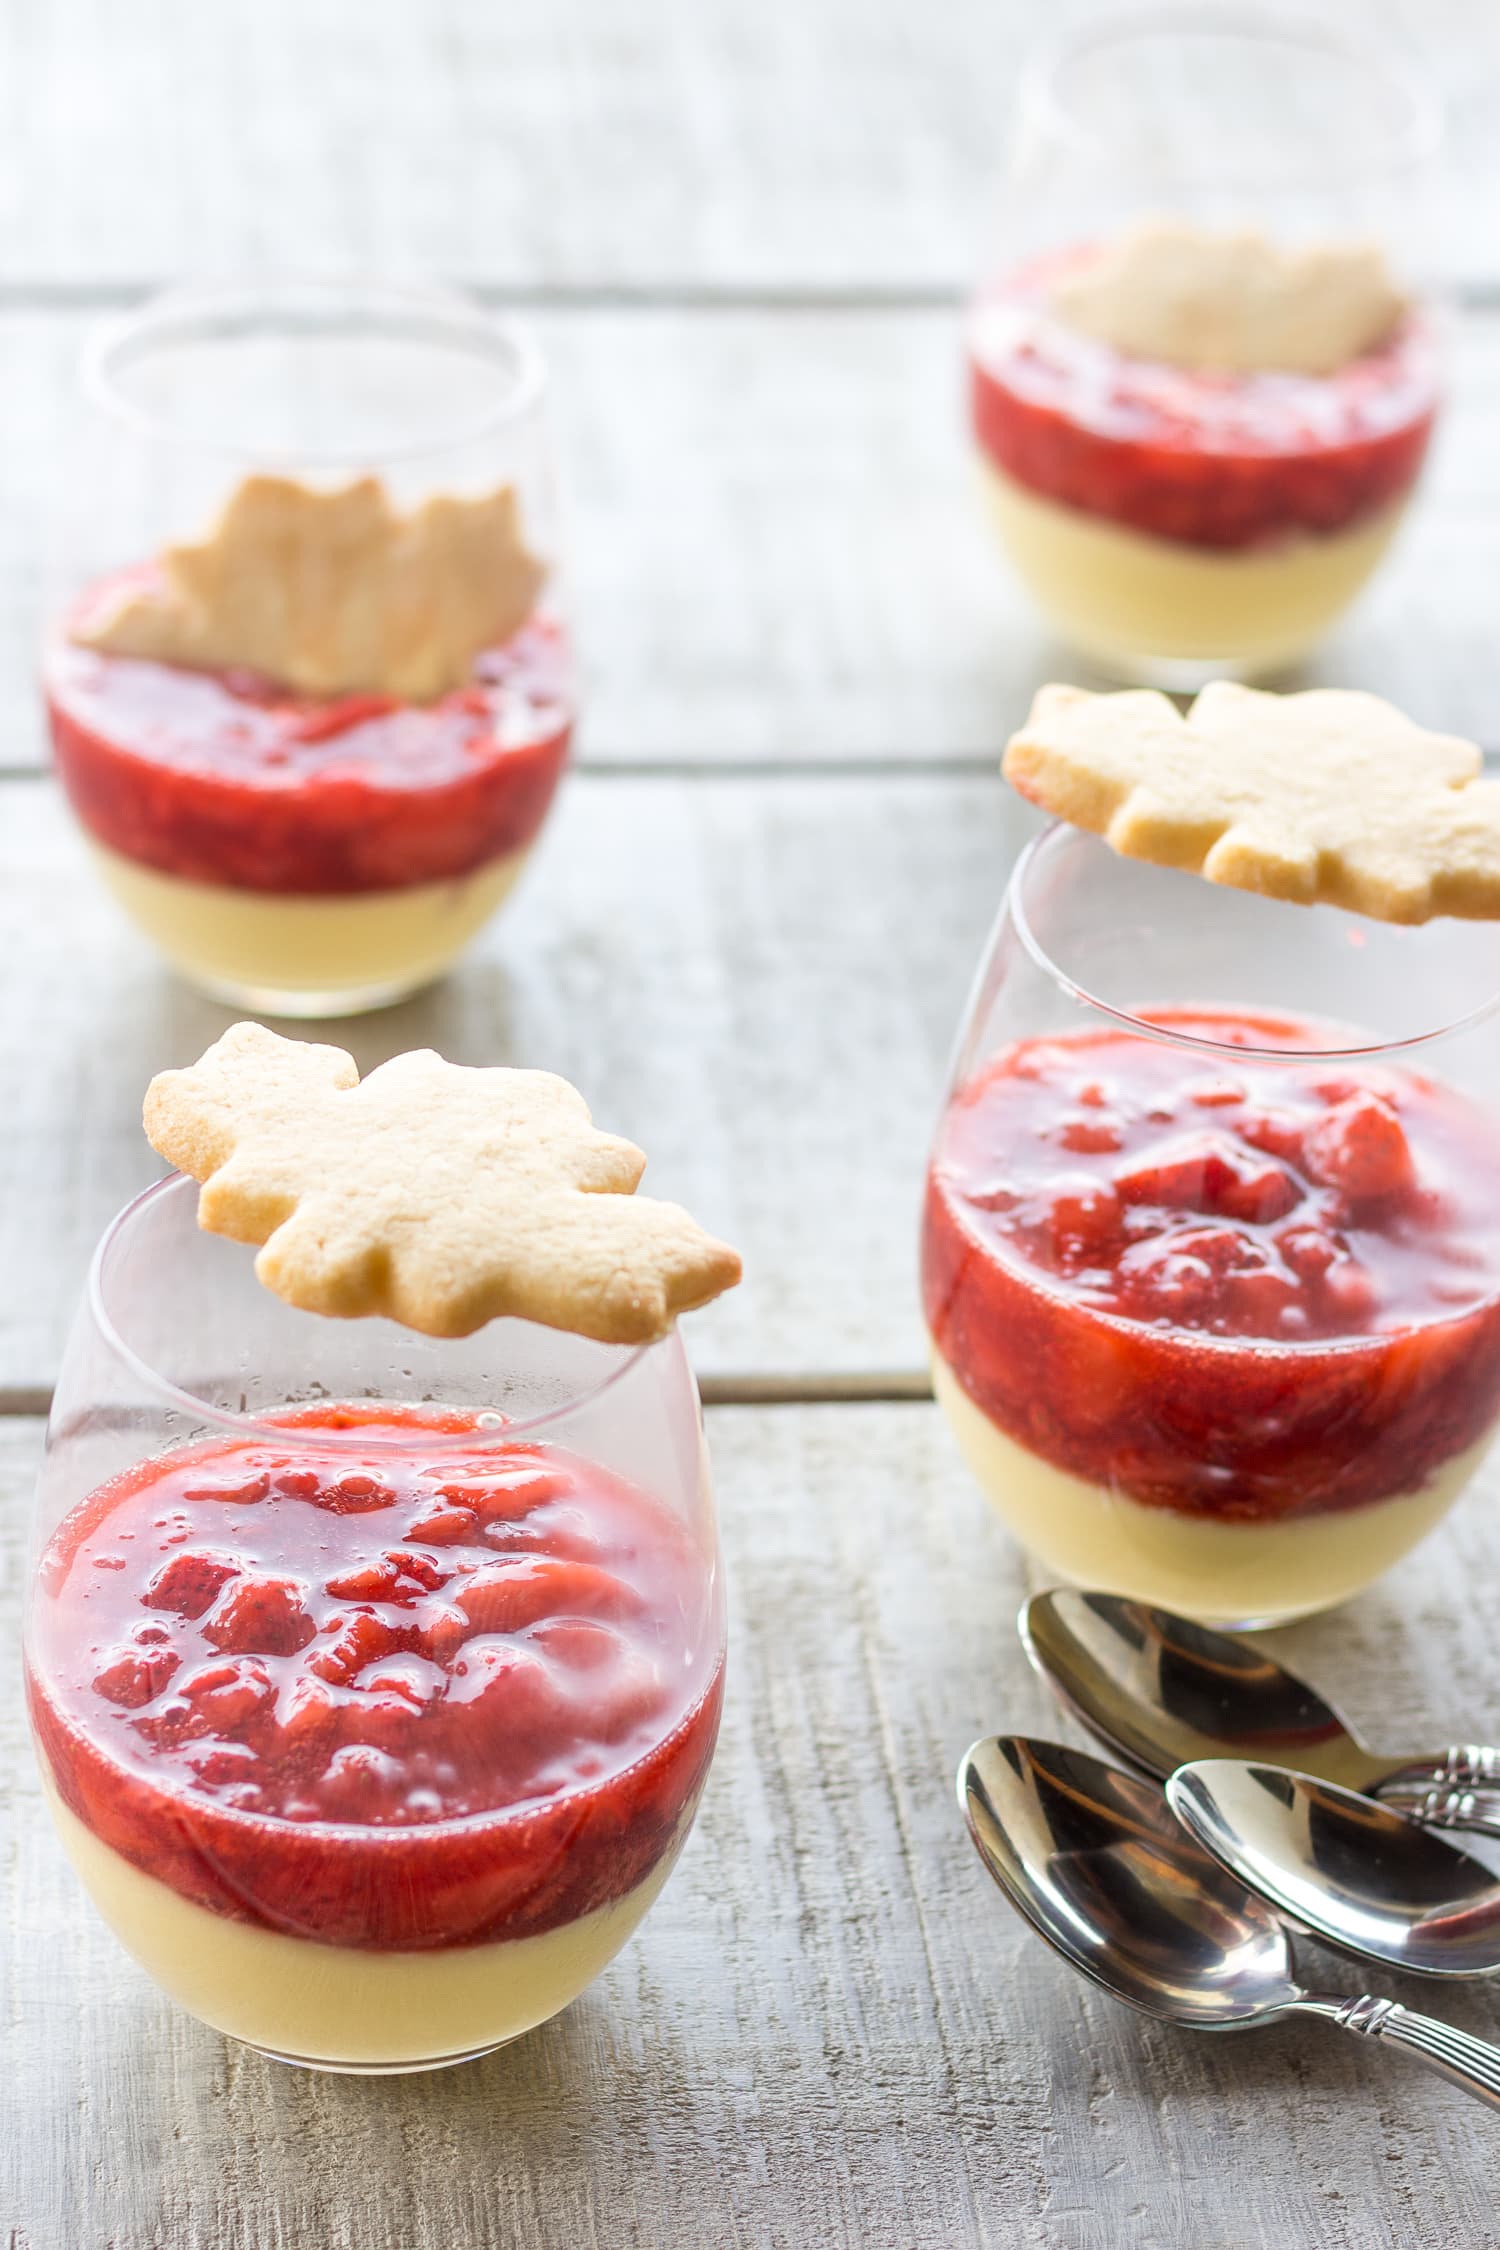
{"type": "Point", "coordinates": [373, 1757]}
{"type": "Point", "coordinates": [312, 753]}
{"type": "Point", "coordinates": [375, 1646]}
{"type": "Point", "coordinates": [1227, 1338]}
{"type": "Point", "coordinates": [1196, 449]}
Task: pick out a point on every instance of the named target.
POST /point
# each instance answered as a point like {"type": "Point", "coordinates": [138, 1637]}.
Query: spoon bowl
{"type": "Point", "coordinates": [1165, 1692]}
{"type": "Point", "coordinates": [1097, 1864]}
{"type": "Point", "coordinates": [1362, 1877]}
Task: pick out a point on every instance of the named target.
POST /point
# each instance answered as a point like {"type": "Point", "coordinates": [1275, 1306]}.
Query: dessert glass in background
{"type": "Point", "coordinates": [1181, 524]}
{"type": "Point", "coordinates": [307, 852]}
{"type": "Point", "coordinates": [374, 1679]}
{"type": "Point", "coordinates": [1211, 1244]}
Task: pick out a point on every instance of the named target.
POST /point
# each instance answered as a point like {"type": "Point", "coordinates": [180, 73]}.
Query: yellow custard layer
{"type": "Point", "coordinates": [343, 2005]}
{"type": "Point", "coordinates": [1126, 598]}
{"type": "Point", "coordinates": [1221, 1572]}
{"type": "Point", "coordinates": [292, 953]}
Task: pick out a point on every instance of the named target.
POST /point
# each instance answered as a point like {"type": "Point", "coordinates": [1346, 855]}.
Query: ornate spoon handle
{"type": "Point", "coordinates": [1461, 1789]}
{"type": "Point", "coordinates": [1470, 2063]}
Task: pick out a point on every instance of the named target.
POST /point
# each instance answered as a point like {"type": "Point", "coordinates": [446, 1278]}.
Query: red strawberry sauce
{"type": "Point", "coordinates": [378, 1698]}
{"type": "Point", "coordinates": [1241, 1291]}
{"type": "Point", "coordinates": [227, 778]}
{"type": "Point", "coordinates": [1217, 460]}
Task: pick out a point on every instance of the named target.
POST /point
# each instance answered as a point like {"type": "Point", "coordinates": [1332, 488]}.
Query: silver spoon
{"type": "Point", "coordinates": [1095, 1861]}
{"type": "Point", "coordinates": [1163, 1691]}
{"type": "Point", "coordinates": [1355, 1872]}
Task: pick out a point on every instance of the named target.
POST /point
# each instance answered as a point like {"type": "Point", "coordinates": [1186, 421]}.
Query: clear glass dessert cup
{"type": "Point", "coordinates": [296, 853]}
{"type": "Point", "coordinates": [1211, 1236]}
{"type": "Point", "coordinates": [374, 1680]}
{"type": "Point", "coordinates": [1180, 526]}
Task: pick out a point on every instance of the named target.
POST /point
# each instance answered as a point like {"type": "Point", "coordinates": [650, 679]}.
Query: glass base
{"type": "Point", "coordinates": [378, 2069]}
{"type": "Point", "coordinates": [1185, 675]}
{"type": "Point", "coordinates": [273, 1000]}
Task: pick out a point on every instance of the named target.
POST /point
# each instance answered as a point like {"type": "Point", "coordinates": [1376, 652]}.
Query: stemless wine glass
{"type": "Point", "coordinates": [1211, 1244]}
{"type": "Point", "coordinates": [374, 1679]}
{"type": "Point", "coordinates": [295, 852]}
{"type": "Point", "coordinates": [1183, 524]}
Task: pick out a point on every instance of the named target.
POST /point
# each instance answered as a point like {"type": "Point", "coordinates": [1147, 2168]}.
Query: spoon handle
{"type": "Point", "coordinates": [1470, 2063]}
{"type": "Point", "coordinates": [1460, 1789]}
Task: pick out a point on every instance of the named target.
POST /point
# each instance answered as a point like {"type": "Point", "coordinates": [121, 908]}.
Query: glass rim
{"type": "Point", "coordinates": [1015, 909]}
{"type": "Point", "coordinates": [192, 313]}
{"type": "Point", "coordinates": [254, 1426]}
{"type": "Point", "coordinates": [1411, 142]}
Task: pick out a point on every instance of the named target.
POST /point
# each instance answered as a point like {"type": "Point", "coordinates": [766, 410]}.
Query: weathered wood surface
{"type": "Point", "coordinates": [678, 144]}
{"type": "Point", "coordinates": [744, 236]}
{"type": "Point", "coordinates": [759, 983]}
{"type": "Point", "coordinates": [776, 549]}
{"type": "Point", "coordinates": [831, 2030]}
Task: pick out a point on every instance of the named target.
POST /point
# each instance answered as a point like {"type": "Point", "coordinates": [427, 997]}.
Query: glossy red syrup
{"type": "Point", "coordinates": [378, 1698]}
{"type": "Point", "coordinates": [228, 778]}
{"type": "Point", "coordinates": [1240, 1290]}
{"type": "Point", "coordinates": [1216, 460]}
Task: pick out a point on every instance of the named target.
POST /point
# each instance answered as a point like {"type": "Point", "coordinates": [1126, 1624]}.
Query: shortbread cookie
{"type": "Point", "coordinates": [1327, 796]}
{"type": "Point", "coordinates": [1234, 301]}
{"type": "Point", "coordinates": [333, 592]}
{"type": "Point", "coordinates": [439, 1196]}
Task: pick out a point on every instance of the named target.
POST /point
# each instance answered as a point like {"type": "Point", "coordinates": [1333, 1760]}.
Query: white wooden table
{"type": "Point", "coordinates": [742, 234]}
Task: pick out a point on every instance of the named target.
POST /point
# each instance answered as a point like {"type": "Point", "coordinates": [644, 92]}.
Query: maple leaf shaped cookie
{"type": "Point", "coordinates": [440, 1196]}
{"type": "Point", "coordinates": [332, 592]}
{"type": "Point", "coordinates": [1195, 298]}
{"type": "Point", "coordinates": [1329, 796]}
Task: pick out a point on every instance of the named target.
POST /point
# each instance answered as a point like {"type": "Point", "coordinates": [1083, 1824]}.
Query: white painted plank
{"type": "Point", "coordinates": [777, 552]}
{"type": "Point", "coordinates": [831, 2030]}
{"type": "Point", "coordinates": [759, 982]}
{"type": "Point", "coordinates": [677, 143]}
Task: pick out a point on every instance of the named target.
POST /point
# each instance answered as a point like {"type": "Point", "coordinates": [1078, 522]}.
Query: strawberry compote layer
{"type": "Point", "coordinates": [225, 777]}
{"type": "Point", "coordinates": [379, 1698]}
{"type": "Point", "coordinates": [1217, 460]}
{"type": "Point", "coordinates": [1244, 1291]}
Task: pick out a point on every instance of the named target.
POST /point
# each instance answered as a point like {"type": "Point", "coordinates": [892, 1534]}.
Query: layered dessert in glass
{"type": "Point", "coordinates": [374, 1676]}
{"type": "Point", "coordinates": [1193, 514]}
{"type": "Point", "coordinates": [1211, 1237]}
{"type": "Point", "coordinates": [310, 690]}
{"type": "Point", "coordinates": [1202, 360]}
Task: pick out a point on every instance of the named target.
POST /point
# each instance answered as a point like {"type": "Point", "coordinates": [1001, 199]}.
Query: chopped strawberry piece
{"type": "Point", "coordinates": [355, 1494]}
{"type": "Point", "coordinates": [421, 1570]}
{"type": "Point", "coordinates": [502, 1597]}
{"type": "Point", "coordinates": [1083, 1218]}
{"type": "Point", "coordinates": [136, 1676]}
{"type": "Point", "coordinates": [223, 1697]}
{"type": "Point", "coordinates": [1209, 1172]}
{"type": "Point", "coordinates": [240, 1492]}
{"type": "Point", "coordinates": [261, 1617]}
{"type": "Point", "coordinates": [1277, 1132]}
{"type": "Point", "coordinates": [298, 1484]}
{"type": "Point", "coordinates": [499, 1498]}
{"type": "Point", "coordinates": [359, 1779]}
{"type": "Point", "coordinates": [1090, 1136]}
{"type": "Point", "coordinates": [440, 1630]}
{"type": "Point", "coordinates": [442, 1526]}
{"type": "Point", "coordinates": [189, 1583]}
{"type": "Point", "coordinates": [1360, 1149]}
{"type": "Point", "coordinates": [1308, 1251]}
{"type": "Point", "coordinates": [366, 1582]}
{"type": "Point", "coordinates": [308, 1712]}
{"type": "Point", "coordinates": [360, 1639]}
{"type": "Point", "coordinates": [512, 1687]}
